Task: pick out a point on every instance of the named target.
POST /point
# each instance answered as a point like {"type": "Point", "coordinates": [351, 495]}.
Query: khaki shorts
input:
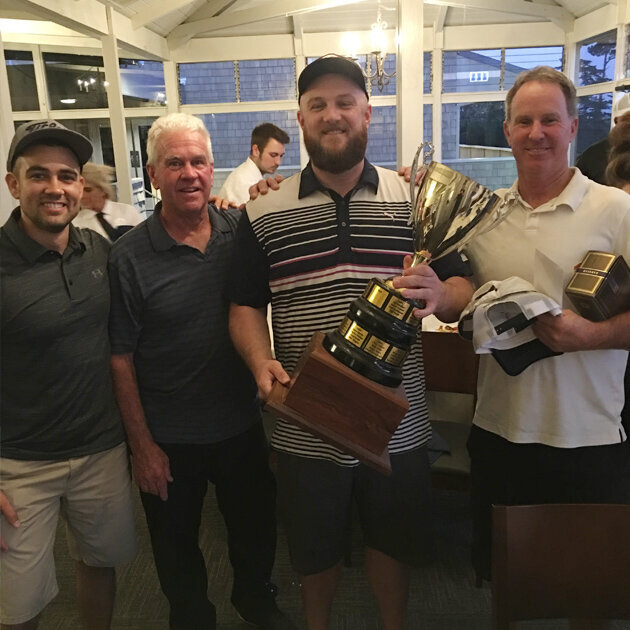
{"type": "Point", "coordinates": [93, 494]}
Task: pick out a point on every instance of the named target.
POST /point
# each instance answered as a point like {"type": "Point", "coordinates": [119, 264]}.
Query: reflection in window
{"type": "Point", "coordinates": [471, 70]}
{"type": "Point", "coordinates": [231, 135]}
{"type": "Point", "coordinates": [75, 81]}
{"type": "Point", "coordinates": [597, 58]}
{"type": "Point", "coordinates": [142, 82]}
{"type": "Point", "coordinates": [211, 82]}
{"type": "Point", "coordinates": [481, 125]}
{"type": "Point", "coordinates": [267, 79]}
{"type": "Point", "coordinates": [22, 85]}
{"type": "Point", "coordinates": [594, 113]}
{"type": "Point", "coordinates": [519, 59]}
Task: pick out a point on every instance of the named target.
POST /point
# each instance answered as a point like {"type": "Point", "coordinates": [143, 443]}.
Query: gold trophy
{"type": "Point", "coordinates": [346, 387]}
{"type": "Point", "coordinates": [379, 329]}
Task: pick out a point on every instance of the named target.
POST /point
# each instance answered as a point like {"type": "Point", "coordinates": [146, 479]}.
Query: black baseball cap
{"type": "Point", "coordinates": [46, 131]}
{"type": "Point", "coordinates": [331, 64]}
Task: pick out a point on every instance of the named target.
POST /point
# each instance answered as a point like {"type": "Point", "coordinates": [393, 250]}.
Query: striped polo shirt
{"type": "Point", "coordinates": [310, 252]}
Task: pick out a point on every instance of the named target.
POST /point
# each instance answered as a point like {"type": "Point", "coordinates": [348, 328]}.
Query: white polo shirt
{"type": "Point", "coordinates": [574, 399]}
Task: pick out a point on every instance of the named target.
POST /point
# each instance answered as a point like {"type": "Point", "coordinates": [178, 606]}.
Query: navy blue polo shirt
{"type": "Point", "coordinates": [170, 311]}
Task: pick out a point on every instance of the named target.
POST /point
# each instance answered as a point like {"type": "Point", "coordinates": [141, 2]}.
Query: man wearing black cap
{"type": "Point", "coordinates": [309, 248]}
{"type": "Point", "coordinates": [62, 438]}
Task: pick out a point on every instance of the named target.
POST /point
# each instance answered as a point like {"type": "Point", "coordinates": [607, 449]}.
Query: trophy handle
{"type": "Point", "coordinates": [427, 156]}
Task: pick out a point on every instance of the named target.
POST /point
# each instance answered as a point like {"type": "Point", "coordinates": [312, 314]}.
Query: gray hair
{"type": "Point", "coordinates": [100, 176]}
{"type": "Point", "coordinates": [543, 74]}
{"type": "Point", "coordinates": [174, 122]}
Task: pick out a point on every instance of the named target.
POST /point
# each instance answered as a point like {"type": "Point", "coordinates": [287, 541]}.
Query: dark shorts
{"type": "Point", "coordinates": [315, 499]}
{"type": "Point", "coordinates": [506, 473]}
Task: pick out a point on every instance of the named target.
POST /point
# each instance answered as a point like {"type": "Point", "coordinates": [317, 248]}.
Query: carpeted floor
{"type": "Point", "coordinates": [443, 595]}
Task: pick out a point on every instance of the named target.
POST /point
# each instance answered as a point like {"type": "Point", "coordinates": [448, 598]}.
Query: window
{"type": "Point", "coordinates": [212, 82]}
{"type": "Point", "coordinates": [22, 86]}
{"type": "Point", "coordinates": [427, 70]}
{"type": "Point", "coordinates": [267, 80]}
{"type": "Point", "coordinates": [519, 59]}
{"type": "Point", "coordinates": [142, 82]}
{"type": "Point", "coordinates": [594, 114]}
{"type": "Point", "coordinates": [381, 148]}
{"type": "Point", "coordinates": [472, 71]}
{"type": "Point", "coordinates": [75, 81]}
{"type": "Point", "coordinates": [473, 143]}
{"type": "Point", "coordinates": [597, 59]}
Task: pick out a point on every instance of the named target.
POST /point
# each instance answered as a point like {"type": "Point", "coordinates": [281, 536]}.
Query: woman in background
{"type": "Point", "coordinates": [99, 212]}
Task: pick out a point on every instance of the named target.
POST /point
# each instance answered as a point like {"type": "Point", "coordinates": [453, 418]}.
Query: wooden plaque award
{"type": "Point", "coordinates": [344, 408]}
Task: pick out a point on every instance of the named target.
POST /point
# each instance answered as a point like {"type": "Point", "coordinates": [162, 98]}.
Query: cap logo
{"type": "Point", "coordinates": [41, 125]}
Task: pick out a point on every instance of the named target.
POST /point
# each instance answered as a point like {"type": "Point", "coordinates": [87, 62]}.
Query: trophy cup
{"type": "Point", "coordinates": [346, 387]}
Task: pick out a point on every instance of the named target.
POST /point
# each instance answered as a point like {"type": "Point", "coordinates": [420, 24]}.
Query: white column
{"type": "Point", "coordinates": [6, 135]}
{"type": "Point", "coordinates": [409, 92]}
{"type": "Point", "coordinates": [171, 87]}
{"type": "Point", "coordinates": [438, 51]}
{"type": "Point", "coordinates": [116, 112]}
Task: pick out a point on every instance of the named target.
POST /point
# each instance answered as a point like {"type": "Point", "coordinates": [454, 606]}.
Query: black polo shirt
{"type": "Point", "coordinates": [56, 394]}
{"type": "Point", "coordinates": [169, 310]}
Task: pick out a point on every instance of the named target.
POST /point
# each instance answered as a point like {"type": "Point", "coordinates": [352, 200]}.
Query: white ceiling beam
{"type": "Point", "coordinates": [268, 11]}
{"type": "Point", "coordinates": [440, 19]}
{"type": "Point", "coordinates": [88, 17]}
{"type": "Point", "coordinates": [211, 8]}
{"type": "Point", "coordinates": [556, 14]}
{"type": "Point", "coordinates": [152, 10]}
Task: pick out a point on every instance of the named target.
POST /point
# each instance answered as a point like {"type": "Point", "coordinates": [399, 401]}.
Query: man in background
{"type": "Point", "coordinates": [188, 402]}
{"type": "Point", "coordinates": [267, 150]}
{"type": "Point", "coordinates": [62, 444]}
{"type": "Point", "coordinates": [99, 212]}
{"type": "Point", "coordinates": [593, 160]}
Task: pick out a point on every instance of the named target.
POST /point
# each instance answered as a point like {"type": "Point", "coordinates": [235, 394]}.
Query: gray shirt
{"type": "Point", "coordinates": [170, 311]}
{"type": "Point", "coordinates": [56, 394]}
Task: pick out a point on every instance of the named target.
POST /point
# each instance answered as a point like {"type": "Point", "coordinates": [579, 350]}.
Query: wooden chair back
{"type": "Point", "coordinates": [450, 363]}
{"type": "Point", "coordinates": [560, 561]}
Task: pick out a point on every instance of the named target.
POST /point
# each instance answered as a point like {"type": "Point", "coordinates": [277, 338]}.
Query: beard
{"type": "Point", "coordinates": [337, 160]}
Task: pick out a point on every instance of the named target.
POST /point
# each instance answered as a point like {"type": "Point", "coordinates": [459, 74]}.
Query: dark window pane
{"type": "Point", "coordinates": [427, 71]}
{"type": "Point", "coordinates": [206, 83]}
{"type": "Point", "coordinates": [471, 70]}
{"type": "Point", "coordinates": [267, 79]}
{"type": "Point", "coordinates": [594, 114]}
{"type": "Point", "coordinates": [381, 147]}
{"type": "Point", "coordinates": [519, 59]}
{"type": "Point", "coordinates": [231, 135]}
{"type": "Point", "coordinates": [481, 124]}
{"type": "Point", "coordinates": [597, 58]}
{"type": "Point", "coordinates": [142, 82]}
{"type": "Point", "coordinates": [75, 81]}
{"type": "Point", "coordinates": [22, 86]}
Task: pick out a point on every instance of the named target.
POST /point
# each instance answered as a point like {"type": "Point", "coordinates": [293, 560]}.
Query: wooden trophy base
{"type": "Point", "coordinates": [340, 406]}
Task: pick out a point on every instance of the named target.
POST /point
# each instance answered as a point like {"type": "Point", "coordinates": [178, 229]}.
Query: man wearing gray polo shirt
{"type": "Point", "coordinates": [188, 402]}
{"type": "Point", "coordinates": [62, 440]}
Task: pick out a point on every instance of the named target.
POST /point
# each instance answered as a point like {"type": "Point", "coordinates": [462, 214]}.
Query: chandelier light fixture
{"type": "Point", "coordinates": [374, 70]}
{"type": "Point", "coordinates": [375, 65]}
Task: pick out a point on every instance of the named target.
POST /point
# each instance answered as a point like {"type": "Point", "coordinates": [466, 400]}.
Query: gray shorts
{"type": "Point", "coordinates": [315, 499]}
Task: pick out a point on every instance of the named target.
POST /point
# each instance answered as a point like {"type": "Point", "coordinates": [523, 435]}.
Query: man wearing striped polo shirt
{"type": "Point", "coordinates": [309, 248]}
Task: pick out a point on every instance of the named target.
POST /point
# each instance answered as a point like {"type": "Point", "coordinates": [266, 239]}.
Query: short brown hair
{"type": "Point", "coordinates": [544, 74]}
{"type": "Point", "coordinates": [264, 132]}
{"type": "Point", "coordinates": [618, 170]}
